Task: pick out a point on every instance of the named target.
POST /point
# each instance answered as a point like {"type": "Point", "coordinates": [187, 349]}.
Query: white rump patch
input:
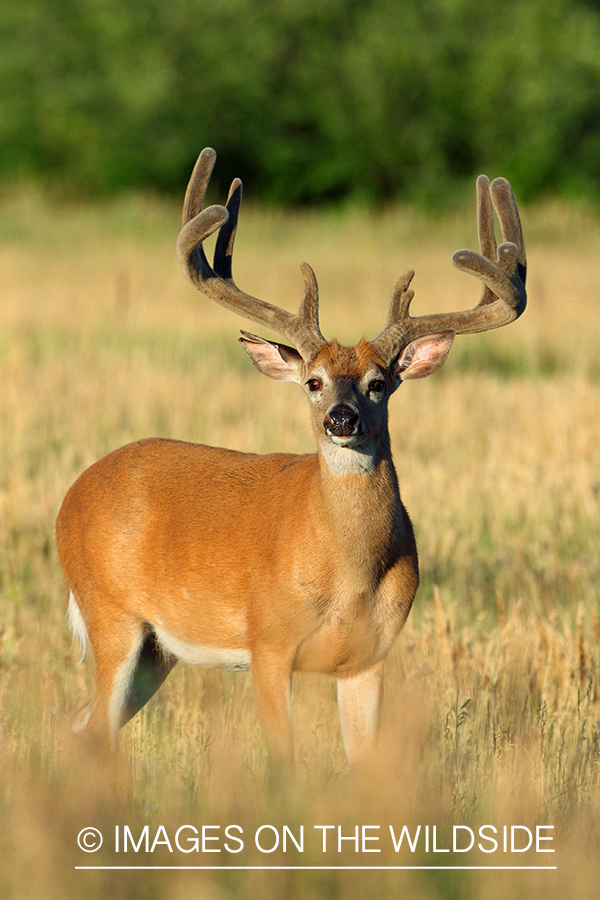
{"type": "Point", "coordinates": [203, 655]}
{"type": "Point", "coordinates": [77, 626]}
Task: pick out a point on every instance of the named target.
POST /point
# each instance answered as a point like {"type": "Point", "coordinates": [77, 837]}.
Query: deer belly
{"type": "Point", "coordinates": [230, 658]}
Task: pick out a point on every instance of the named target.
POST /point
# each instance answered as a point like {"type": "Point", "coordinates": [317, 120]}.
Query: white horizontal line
{"type": "Point", "coordinates": [326, 868]}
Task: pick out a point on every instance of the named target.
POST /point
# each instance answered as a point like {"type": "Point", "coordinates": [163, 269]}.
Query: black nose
{"type": "Point", "coordinates": [341, 421]}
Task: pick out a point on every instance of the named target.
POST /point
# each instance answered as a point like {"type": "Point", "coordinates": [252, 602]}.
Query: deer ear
{"type": "Point", "coordinates": [278, 361]}
{"type": "Point", "coordinates": [423, 356]}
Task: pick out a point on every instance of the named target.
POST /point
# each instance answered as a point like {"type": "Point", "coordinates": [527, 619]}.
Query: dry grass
{"type": "Point", "coordinates": [492, 711]}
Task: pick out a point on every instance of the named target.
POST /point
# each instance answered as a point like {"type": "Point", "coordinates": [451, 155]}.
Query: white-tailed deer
{"type": "Point", "coordinates": [278, 563]}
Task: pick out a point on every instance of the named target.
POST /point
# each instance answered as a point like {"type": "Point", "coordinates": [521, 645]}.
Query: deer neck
{"type": "Point", "coordinates": [361, 500]}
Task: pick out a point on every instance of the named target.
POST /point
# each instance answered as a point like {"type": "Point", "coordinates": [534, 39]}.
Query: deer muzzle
{"type": "Point", "coordinates": [341, 421]}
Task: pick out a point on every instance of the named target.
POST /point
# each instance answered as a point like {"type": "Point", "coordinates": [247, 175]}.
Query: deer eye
{"type": "Point", "coordinates": [314, 384]}
{"type": "Point", "coordinates": [377, 385]}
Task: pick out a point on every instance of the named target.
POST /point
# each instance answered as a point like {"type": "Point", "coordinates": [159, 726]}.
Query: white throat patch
{"type": "Point", "coordinates": [349, 460]}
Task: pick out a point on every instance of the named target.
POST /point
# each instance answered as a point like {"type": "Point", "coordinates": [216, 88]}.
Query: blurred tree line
{"type": "Point", "coordinates": [310, 100]}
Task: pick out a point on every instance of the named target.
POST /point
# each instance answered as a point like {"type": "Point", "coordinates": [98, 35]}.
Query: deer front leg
{"type": "Point", "coordinates": [359, 702]}
{"type": "Point", "coordinates": [272, 691]}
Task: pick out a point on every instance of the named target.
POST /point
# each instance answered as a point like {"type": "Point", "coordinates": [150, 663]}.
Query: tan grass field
{"type": "Point", "coordinates": [492, 710]}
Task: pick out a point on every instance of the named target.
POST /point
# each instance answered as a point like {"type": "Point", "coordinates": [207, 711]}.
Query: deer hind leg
{"type": "Point", "coordinates": [359, 703]}
{"type": "Point", "coordinates": [129, 669]}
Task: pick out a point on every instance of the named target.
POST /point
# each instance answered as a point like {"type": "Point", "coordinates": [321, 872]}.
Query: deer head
{"type": "Point", "coordinates": [348, 387]}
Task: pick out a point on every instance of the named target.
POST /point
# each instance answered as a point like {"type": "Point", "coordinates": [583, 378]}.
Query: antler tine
{"type": "Point", "coordinates": [485, 231]}
{"type": "Point", "coordinates": [223, 260]}
{"type": "Point", "coordinates": [502, 271]}
{"type": "Point", "coordinates": [510, 221]}
{"type": "Point", "coordinates": [301, 329]}
{"type": "Point", "coordinates": [309, 306]}
{"type": "Point", "coordinates": [392, 338]}
{"type": "Point", "coordinates": [197, 185]}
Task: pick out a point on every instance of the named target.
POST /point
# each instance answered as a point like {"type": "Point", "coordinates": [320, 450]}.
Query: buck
{"type": "Point", "coordinates": [276, 563]}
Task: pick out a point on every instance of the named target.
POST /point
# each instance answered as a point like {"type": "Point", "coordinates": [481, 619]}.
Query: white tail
{"type": "Point", "coordinates": [272, 563]}
{"type": "Point", "coordinates": [77, 626]}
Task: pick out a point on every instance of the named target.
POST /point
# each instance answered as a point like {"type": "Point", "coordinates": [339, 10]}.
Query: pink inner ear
{"type": "Point", "coordinates": [424, 355]}
{"type": "Point", "coordinates": [268, 360]}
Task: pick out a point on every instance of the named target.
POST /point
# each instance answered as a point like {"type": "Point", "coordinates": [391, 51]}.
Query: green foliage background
{"type": "Point", "coordinates": [312, 101]}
